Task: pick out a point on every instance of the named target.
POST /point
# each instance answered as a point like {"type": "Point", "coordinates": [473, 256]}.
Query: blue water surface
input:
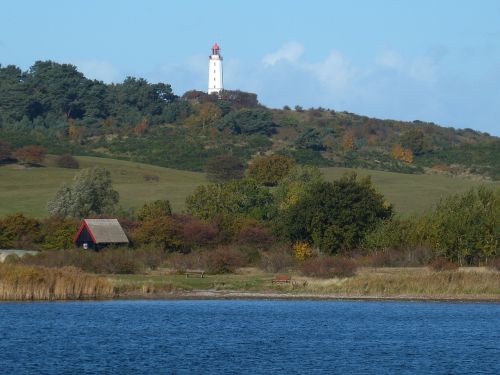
{"type": "Point", "coordinates": [249, 337]}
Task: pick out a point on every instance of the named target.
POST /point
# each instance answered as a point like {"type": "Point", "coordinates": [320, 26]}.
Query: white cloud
{"type": "Point", "coordinates": [290, 52]}
{"type": "Point", "coordinates": [389, 59]}
{"type": "Point", "coordinates": [100, 70]}
{"type": "Point", "coordinates": [336, 71]}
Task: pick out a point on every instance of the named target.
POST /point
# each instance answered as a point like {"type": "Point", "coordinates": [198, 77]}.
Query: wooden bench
{"type": "Point", "coordinates": [195, 273]}
{"type": "Point", "coordinates": [281, 279]}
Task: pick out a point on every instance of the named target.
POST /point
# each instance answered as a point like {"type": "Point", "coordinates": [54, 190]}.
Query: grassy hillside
{"type": "Point", "coordinates": [28, 190]}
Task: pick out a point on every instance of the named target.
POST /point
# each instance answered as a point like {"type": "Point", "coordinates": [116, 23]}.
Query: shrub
{"type": "Point", "coordinates": [57, 233]}
{"type": "Point", "coordinates": [344, 267]}
{"type": "Point", "coordinates": [325, 267]}
{"type": "Point", "coordinates": [440, 264]}
{"type": "Point", "coordinates": [195, 232]}
{"type": "Point", "coordinates": [269, 170]}
{"type": "Point", "coordinates": [409, 257]}
{"type": "Point", "coordinates": [254, 235]}
{"type": "Point", "coordinates": [19, 231]}
{"type": "Point", "coordinates": [302, 251]}
{"type": "Point", "coordinates": [223, 168]}
{"type": "Point", "coordinates": [279, 260]}
{"type": "Point", "coordinates": [67, 161]}
{"type": "Point", "coordinates": [111, 260]}
{"type": "Point", "coordinates": [317, 267]}
{"type": "Point", "coordinates": [154, 210]}
{"type": "Point", "coordinates": [495, 264]}
{"type": "Point", "coordinates": [31, 154]}
{"type": "Point", "coordinates": [182, 262]}
{"type": "Point", "coordinates": [223, 260]}
{"type": "Point", "coordinates": [162, 232]}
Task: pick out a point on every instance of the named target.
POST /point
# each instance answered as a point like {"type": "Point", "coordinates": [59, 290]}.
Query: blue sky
{"type": "Point", "coordinates": [429, 60]}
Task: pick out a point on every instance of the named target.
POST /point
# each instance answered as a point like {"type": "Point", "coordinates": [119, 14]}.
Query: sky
{"type": "Point", "coordinates": [436, 61]}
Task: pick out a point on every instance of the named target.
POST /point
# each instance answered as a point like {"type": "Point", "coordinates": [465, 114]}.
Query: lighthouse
{"type": "Point", "coordinates": [215, 71]}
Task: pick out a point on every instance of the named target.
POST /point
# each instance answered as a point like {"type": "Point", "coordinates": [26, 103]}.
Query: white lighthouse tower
{"type": "Point", "coordinates": [215, 71]}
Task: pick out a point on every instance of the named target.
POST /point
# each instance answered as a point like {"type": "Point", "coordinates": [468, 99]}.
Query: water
{"type": "Point", "coordinates": [249, 337]}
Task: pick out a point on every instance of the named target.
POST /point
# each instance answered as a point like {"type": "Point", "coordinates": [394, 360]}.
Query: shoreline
{"type": "Point", "coordinates": [236, 295]}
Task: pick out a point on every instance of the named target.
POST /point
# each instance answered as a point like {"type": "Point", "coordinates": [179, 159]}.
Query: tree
{"type": "Point", "coordinates": [413, 140]}
{"type": "Point", "coordinates": [57, 233]}
{"type": "Point", "coordinates": [31, 154]}
{"type": "Point", "coordinates": [223, 168]}
{"type": "Point", "coordinates": [249, 121]}
{"type": "Point", "coordinates": [91, 193]}
{"type": "Point", "coordinates": [18, 231]}
{"type": "Point", "coordinates": [348, 141]}
{"type": "Point", "coordinates": [162, 232]}
{"type": "Point", "coordinates": [154, 210]}
{"type": "Point", "coordinates": [269, 170]}
{"type": "Point", "coordinates": [402, 154]}
{"type": "Point", "coordinates": [294, 185]}
{"type": "Point", "coordinates": [335, 216]}
{"type": "Point", "coordinates": [235, 198]}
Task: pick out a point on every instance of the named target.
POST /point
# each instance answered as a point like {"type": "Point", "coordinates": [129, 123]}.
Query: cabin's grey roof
{"type": "Point", "coordinates": [106, 230]}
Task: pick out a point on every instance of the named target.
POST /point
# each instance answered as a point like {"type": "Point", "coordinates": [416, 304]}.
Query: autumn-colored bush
{"type": "Point", "coordinates": [326, 267]}
{"type": "Point", "coordinates": [317, 267]}
{"type": "Point", "coordinates": [440, 264]}
{"type": "Point", "coordinates": [223, 260]}
{"type": "Point", "coordinates": [162, 232]}
{"type": "Point", "coordinates": [19, 231]}
{"type": "Point", "coordinates": [254, 235]}
{"type": "Point", "coordinates": [31, 154]}
{"type": "Point", "coordinates": [302, 251]}
{"type": "Point", "coordinates": [195, 232]}
{"type": "Point", "coordinates": [495, 264]}
{"type": "Point", "coordinates": [279, 260]}
{"type": "Point", "coordinates": [344, 267]}
{"type": "Point", "coordinates": [402, 154]}
{"type": "Point", "coordinates": [67, 161]}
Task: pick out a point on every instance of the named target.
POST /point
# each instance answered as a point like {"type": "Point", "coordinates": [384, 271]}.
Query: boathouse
{"type": "Point", "coordinates": [98, 233]}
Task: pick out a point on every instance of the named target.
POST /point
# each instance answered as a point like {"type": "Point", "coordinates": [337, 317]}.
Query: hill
{"type": "Point", "coordinates": [55, 106]}
{"type": "Point", "coordinates": [27, 190]}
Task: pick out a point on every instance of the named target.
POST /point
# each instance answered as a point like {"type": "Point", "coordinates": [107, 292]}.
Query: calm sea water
{"type": "Point", "coordinates": [249, 337]}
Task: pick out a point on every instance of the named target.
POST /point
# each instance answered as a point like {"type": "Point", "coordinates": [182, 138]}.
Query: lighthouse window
{"type": "Point", "coordinates": [214, 70]}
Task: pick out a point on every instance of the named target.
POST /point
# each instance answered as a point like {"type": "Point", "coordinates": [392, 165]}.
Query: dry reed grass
{"type": "Point", "coordinates": [408, 282]}
{"type": "Point", "coordinates": [18, 282]}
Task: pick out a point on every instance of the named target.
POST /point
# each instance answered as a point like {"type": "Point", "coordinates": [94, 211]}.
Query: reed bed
{"type": "Point", "coordinates": [415, 282]}
{"type": "Point", "coordinates": [19, 282]}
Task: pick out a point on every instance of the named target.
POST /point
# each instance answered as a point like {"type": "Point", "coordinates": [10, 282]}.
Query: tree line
{"type": "Point", "coordinates": [277, 204]}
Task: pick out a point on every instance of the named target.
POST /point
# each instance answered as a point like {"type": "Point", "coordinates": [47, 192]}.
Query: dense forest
{"type": "Point", "coordinates": [54, 106]}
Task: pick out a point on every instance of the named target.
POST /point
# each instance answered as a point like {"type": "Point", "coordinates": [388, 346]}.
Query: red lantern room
{"type": "Point", "coordinates": [215, 49]}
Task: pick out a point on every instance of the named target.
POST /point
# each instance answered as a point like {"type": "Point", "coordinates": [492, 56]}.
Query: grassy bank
{"type": "Point", "coordinates": [419, 283]}
{"type": "Point", "coordinates": [27, 190]}
{"type": "Point", "coordinates": [40, 283]}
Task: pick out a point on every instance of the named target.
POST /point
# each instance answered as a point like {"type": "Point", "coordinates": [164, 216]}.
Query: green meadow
{"type": "Point", "coordinates": [27, 190]}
